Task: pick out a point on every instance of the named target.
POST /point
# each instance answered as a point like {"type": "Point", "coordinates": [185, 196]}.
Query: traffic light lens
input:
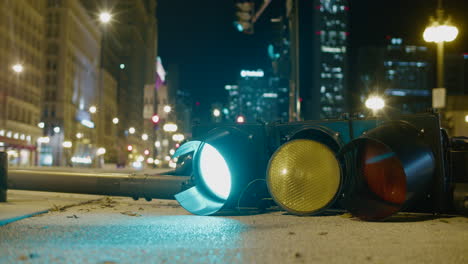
{"type": "Point", "coordinates": [214, 172]}
{"type": "Point", "coordinates": [303, 176]}
{"type": "Point", "coordinates": [383, 172]}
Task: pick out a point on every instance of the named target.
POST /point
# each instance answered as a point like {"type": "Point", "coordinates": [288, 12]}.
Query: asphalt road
{"type": "Point", "coordinates": [120, 230]}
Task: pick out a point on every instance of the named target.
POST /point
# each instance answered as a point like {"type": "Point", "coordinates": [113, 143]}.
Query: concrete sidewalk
{"type": "Point", "coordinates": [23, 204]}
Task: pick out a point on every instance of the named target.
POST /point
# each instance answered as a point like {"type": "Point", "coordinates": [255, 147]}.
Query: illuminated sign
{"type": "Point", "coordinates": [257, 73]}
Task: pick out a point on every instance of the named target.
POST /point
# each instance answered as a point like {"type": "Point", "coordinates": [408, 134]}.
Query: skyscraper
{"type": "Point", "coordinates": [322, 57]}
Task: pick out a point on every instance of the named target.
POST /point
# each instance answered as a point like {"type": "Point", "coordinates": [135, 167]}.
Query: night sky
{"type": "Point", "coordinates": [200, 38]}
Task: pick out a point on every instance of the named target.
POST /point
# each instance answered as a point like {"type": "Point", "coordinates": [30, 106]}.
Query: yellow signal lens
{"type": "Point", "coordinates": [303, 176]}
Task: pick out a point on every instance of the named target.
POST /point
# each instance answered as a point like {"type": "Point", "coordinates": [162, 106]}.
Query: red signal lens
{"type": "Point", "coordinates": [383, 172]}
{"type": "Point", "coordinates": [155, 119]}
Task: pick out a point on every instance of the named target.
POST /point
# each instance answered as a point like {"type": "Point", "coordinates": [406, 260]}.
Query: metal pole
{"type": "Point", "coordinates": [440, 64]}
{"type": "Point", "coordinates": [293, 16]}
{"type": "Point", "coordinates": [3, 176]}
{"type": "Point", "coordinates": [113, 184]}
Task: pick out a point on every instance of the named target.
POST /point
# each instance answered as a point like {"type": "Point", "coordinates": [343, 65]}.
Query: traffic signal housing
{"type": "Point", "coordinates": [397, 166]}
{"type": "Point", "coordinates": [245, 11]}
{"type": "Point", "coordinates": [373, 167]}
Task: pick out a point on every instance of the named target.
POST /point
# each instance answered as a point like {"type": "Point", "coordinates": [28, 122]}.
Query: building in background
{"type": "Point", "coordinates": [399, 72]}
{"type": "Point", "coordinates": [22, 27]}
{"type": "Point", "coordinates": [71, 83]}
{"type": "Point", "coordinates": [322, 50]}
{"type": "Point", "coordinates": [256, 97]}
{"type": "Point", "coordinates": [128, 54]}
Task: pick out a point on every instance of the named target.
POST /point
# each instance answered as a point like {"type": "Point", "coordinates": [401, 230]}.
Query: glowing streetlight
{"type": "Point", "coordinates": [157, 144]}
{"type": "Point", "coordinates": [105, 17]}
{"type": "Point", "coordinates": [167, 108]}
{"type": "Point", "coordinates": [67, 144]}
{"type": "Point", "coordinates": [146, 152]}
{"type": "Point", "coordinates": [131, 130]}
{"type": "Point", "coordinates": [240, 119]}
{"type": "Point", "coordinates": [437, 32]}
{"type": "Point", "coordinates": [178, 137]}
{"type": "Point", "coordinates": [440, 30]}
{"type": "Point", "coordinates": [79, 135]}
{"type": "Point", "coordinates": [466, 118]}
{"type": "Point", "coordinates": [57, 129]}
{"type": "Point", "coordinates": [41, 125]}
{"type": "Point", "coordinates": [18, 68]}
{"type": "Point", "coordinates": [375, 103]}
{"type": "Point", "coordinates": [144, 137]}
{"type": "Point", "coordinates": [170, 127]}
{"type": "Point", "coordinates": [216, 112]}
{"type": "Point", "coordinates": [100, 151]}
{"type": "Point", "coordinates": [43, 140]}
{"type": "Point", "coordinates": [115, 120]}
{"type": "Point", "coordinates": [92, 109]}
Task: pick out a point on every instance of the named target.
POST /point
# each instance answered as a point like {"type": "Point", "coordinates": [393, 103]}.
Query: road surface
{"type": "Point", "coordinates": [120, 230]}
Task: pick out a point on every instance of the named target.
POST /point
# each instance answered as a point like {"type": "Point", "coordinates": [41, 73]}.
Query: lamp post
{"type": "Point", "coordinates": [104, 18]}
{"type": "Point", "coordinates": [440, 30]}
{"type": "Point", "coordinates": [375, 104]}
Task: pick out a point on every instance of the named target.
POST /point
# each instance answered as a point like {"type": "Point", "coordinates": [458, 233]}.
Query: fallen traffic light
{"type": "Point", "coordinates": [373, 167]}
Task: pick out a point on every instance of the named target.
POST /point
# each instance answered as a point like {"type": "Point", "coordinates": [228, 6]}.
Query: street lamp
{"type": "Point", "coordinates": [178, 137]}
{"type": "Point", "coordinates": [170, 127]}
{"type": "Point", "coordinates": [105, 17]}
{"type": "Point", "coordinates": [100, 151]}
{"type": "Point", "coordinates": [240, 119]}
{"type": "Point", "coordinates": [67, 144]}
{"type": "Point", "coordinates": [144, 137]}
{"type": "Point", "coordinates": [18, 68]}
{"type": "Point", "coordinates": [216, 112]}
{"type": "Point", "coordinates": [92, 109]}
{"type": "Point", "coordinates": [439, 31]}
{"type": "Point", "coordinates": [131, 130]}
{"type": "Point", "coordinates": [167, 108]}
{"type": "Point", "coordinates": [41, 125]}
{"type": "Point", "coordinates": [115, 120]}
{"type": "Point", "coordinates": [375, 103]}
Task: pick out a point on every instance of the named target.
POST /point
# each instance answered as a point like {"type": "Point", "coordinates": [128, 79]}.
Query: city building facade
{"type": "Point", "coordinates": [72, 89]}
{"type": "Point", "coordinates": [322, 50]}
{"type": "Point", "coordinates": [128, 54]}
{"type": "Point", "coordinates": [256, 97]}
{"type": "Point", "coordinates": [22, 27]}
{"type": "Point", "coordinates": [400, 73]}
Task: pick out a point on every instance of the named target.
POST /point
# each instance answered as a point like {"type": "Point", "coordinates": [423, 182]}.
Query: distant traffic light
{"type": "Point", "coordinates": [155, 119]}
{"type": "Point", "coordinates": [244, 16]}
